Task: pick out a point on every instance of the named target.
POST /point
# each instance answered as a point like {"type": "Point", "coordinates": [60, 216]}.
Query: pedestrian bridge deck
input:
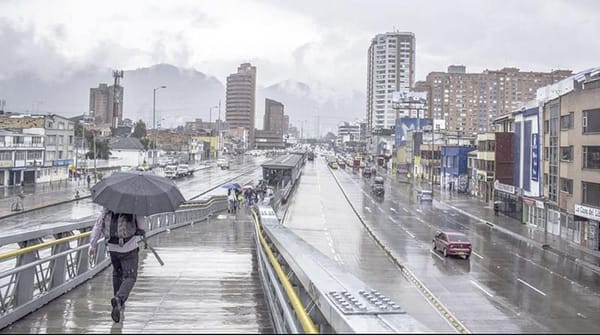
{"type": "Point", "coordinates": [209, 284]}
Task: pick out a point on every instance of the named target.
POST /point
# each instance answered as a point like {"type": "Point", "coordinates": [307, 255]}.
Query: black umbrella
{"type": "Point", "coordinates": [139, 193]}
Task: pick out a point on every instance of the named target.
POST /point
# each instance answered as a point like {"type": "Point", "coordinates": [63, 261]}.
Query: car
{"type": "Point", "coordinates": [367, 172]}
{"type": "Point", "coordinates": [223, 163]}
{"type": "Point", "coordinates": [333, 165]}
{"type": "Point", "coordinates": [424, 195]}
{"type": "Point", "coordinates": [452, 243]}
{"type": "Point", "coordinates": [378, 186]}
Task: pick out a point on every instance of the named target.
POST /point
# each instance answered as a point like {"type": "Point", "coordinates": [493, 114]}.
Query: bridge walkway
{"type": "Point", "coordinates": [209, 283]}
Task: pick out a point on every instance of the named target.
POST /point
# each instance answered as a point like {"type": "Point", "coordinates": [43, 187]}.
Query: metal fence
{"type": "Point", "coordinates": [48, 262]}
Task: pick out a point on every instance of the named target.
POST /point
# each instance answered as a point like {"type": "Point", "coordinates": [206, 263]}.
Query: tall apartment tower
{"type": "Point", "coordinates": [102, 104]}
{"type": "Point", "coordinates": [469, 102]}
{"type": "Point", "coordinates": [274, 118]}
{"type": "Point", "coordinates": [240, 99]}
{"type": "Point", "coordinates": [391, 68]}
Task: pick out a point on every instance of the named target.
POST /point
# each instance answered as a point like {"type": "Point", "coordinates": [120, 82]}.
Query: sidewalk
{"type": "Point", "coordinates": [478, 210]}
{"type": "Point", "coordinates": [41, 195]}
{"type": "Point", "coordinates": [47, 194]}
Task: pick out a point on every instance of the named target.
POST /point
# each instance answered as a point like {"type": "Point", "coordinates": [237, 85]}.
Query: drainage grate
{"type": "Point", "coordinates": [365, 302]}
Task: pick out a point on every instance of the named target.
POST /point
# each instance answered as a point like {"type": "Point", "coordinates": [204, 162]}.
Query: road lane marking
{"type": "Point", "coordinates": [533, 288]}
{"type": "Point", "coordinates": [420, 220]}
{"type": "Point", "coordinates": [392, 219]}
{"type": "Point", "coordinates": [419, 210]}
{"type": "Point", "coordinates": [367, 208]}
{"type": "Point", "coordinates": [393, 210]}
{"type": "Point", "coordinates": [404, 208]}
{"type": "Point", "coordinates": [436, 254]}
{"type": "Point", "coordinates": [476, 254]}
{"type": "Point", "coordinates": [481, 288]}
{"type": "Point", "coordinates": [379, 207]}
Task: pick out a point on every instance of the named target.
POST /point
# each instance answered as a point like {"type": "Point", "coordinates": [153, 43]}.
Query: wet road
{"type": "Point", "coordinates": [506, 286]}
{"type": "Point", "coordinates": [85, 209]}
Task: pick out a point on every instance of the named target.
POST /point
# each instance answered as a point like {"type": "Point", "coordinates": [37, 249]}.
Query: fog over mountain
{"type": "Point", "coordinates": [189, 95]}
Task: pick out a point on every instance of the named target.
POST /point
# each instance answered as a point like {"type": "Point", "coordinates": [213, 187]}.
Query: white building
{"type": "Point", "coordinates": [127, 152]}
{"type": "Point", "coordinates": [410, 104]}
{"type": "Point", "coordinates": [347, 132]}
{"type": "Point", "coordinates": [391, 68]}
{"type": "Point", "coordinates": [21, 156]}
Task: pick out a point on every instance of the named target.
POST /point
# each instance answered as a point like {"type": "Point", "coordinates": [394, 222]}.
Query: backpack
{"type": "Point", "coordinates": [119, 228]}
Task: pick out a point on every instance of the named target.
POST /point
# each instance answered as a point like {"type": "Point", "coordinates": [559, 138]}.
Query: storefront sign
{"type": "Point", "coordinates": [588, 212]}
{"type": "Point", "coordinates": [533, 203]}
{"type": "Point", "coordinates": [504, 188]}
{"type": "Point", "coordinates": [535, 150]}
{"type": "Point", "coordinates": [6, 163]}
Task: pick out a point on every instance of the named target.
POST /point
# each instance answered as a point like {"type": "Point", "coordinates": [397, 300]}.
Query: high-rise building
{"type": "Point", "coordinates": [391, 68]}
{"type": "Point", "coordinates": [102, 104]}
{"type": "Point", "coordinates": [469, 102]}
{"type": "Point", "coordinates": [274, 118]}
{"type": "Point", "coordinates": [240, 99]}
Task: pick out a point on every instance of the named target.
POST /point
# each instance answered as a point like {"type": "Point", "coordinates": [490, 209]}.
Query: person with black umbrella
{"type": "Point", "coordinates": [124, 252]}
{"type": "Point", "coordinates": [128, 198]}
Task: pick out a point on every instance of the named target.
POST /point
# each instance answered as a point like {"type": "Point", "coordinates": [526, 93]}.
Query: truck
{"type": "Point", "coordinates": [171, 171]}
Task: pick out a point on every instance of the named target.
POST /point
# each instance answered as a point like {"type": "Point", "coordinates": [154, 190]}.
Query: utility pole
{"type": "Point", "coordinates": [219, 130]}
{"type": "Point", "coordinates": [95, 154]}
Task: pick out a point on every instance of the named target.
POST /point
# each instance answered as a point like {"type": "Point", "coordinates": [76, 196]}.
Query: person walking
{"type": "Point", "coordinates": [121, 232]}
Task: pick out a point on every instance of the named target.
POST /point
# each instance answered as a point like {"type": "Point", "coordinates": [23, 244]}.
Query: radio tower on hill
{"type": "Point", "coordinates": [116, 98]}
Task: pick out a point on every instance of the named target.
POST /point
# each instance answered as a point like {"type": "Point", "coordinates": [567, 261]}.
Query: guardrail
{"type": "Point", "coordinates": [54, 260]}
{"type": "Point", "coordinates": [321, 295]}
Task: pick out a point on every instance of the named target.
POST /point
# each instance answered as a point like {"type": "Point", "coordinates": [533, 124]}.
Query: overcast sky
{"type": "Point", "coordinates": [321, 42]}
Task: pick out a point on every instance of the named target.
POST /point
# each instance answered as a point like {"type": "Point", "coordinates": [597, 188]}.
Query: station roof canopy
{"type": "Point", "coordinates": [283, 162]}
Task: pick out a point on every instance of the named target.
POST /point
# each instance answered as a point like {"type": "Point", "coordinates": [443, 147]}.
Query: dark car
{"type": "Point", "coordinates": [452, 243]}
{"type": "Point", "coordinates": [378, 186]}
{"type": "Point", "coordinates": [367, 172]}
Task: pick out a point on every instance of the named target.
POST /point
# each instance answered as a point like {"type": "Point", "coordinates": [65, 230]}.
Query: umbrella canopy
{"type": "Point", "coordinates": [248, 186]}
{"type": "Point", "coordinates": [139, 193]}
{"type": "Point", "coordinates": [231, 186]}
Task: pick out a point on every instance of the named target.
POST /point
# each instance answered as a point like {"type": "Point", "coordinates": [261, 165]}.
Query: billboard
{"type": "Point", "coordinates": [404, 124]}
{"type": "Point", "coordinates": [535, 150]}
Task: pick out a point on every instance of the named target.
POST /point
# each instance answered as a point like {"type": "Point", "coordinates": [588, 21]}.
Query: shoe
{"type": "Point", "coordinates": [116, 309]}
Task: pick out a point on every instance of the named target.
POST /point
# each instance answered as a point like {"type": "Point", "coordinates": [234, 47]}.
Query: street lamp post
{"type": "Point", "coordinates": [154, 122]}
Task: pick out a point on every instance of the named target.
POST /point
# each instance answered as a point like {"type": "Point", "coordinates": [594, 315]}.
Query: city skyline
{"type": "Point", "coordinates": [322, 48]}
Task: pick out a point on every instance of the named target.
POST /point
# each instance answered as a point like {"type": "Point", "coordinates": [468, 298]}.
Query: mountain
{"type": "Point", "coordinates": [189, 94]}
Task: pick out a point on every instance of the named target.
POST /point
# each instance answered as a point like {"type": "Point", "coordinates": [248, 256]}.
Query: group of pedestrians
{"type": "Point", "coordinates": [247, 196]}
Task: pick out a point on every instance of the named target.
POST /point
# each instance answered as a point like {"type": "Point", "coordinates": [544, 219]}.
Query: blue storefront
{"type": "Point", "coordinates": [454, 168]}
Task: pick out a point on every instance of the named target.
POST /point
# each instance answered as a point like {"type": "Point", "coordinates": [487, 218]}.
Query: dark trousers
{"type": "Point", "coordinates": [125, 269]}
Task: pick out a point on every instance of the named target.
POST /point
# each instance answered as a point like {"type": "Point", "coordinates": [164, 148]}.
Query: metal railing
{"type": "Point", "coordinates": [51, 261]}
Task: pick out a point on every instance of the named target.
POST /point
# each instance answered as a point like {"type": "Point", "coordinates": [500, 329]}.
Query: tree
{"type": "Point", "coordinates": [102, 147]}
{"type": "Point", "coordinates": [139, 131]}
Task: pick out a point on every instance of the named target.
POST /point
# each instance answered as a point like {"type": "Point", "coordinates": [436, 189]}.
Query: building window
{"type": "Point", "coordinates": [31, 155]}
{"type": "Point", "coordinates": [566, 121]}
{"type": "Point", "coordinates": [591, 157]}
{"type": "Point", "coordinates": [546, 126]}
{"type": "Point", "coordinates": [545, 153]}
{"type": "Point", "coordinates": [545, 178]}
{"type": "Point", "coordinates": [591, 121]}
{"type": "Point", "coordinates": [36, 140]}
{"type": "Point", "coordinates": [566, 185]}
{"type": "Point", "coordinates": [591, 193]}
{"type": "Point", "coordinates": [51, 139]}
{"type": "Point", "coordinates": [20, 155]}
{"type": "Point", "coordinates": [19, 139]}
{"type": "Point", "coordinates": [566, 153]}
{"type": "Point", "coordinates": [5, 155]}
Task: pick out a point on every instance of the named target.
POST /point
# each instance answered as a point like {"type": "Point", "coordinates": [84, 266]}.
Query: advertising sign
{"type": "Point", "coordinates": [535, 157]}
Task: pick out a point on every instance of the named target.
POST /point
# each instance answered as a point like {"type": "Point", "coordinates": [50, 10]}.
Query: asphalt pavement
{"type": "Point", "coordinates": [44, 195]}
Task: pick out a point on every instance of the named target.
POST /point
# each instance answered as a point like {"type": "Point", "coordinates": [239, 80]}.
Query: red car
{"type": "Point", "coordinates": [452, 243]}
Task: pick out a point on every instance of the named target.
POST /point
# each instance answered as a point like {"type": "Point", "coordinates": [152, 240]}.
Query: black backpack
{"type": "Point", "coordinates": [119, 228]}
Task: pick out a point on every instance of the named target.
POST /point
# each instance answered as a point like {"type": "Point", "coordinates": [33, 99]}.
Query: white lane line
{"type": "Point", "coordinates": [476, 254]}
{"type": "Point", "coordinates": [436, 254]}
{"type": "Point", "coordinates": [367, 208]}
{"type": "Point", "coordinates": [404, 208]}
{"type": "Point", "coordinates": [419, 210]}
{"type": "Point", "coordinates": [420, 220]}
{"type": "Point", "coordinates": [392, 219]}
{"type": "Point", "coordinates": [393, 210]}
{"type": "Point", "coordinates": [379, 207]}
{"type": "Point", "coordinates": [533, 288]}
{"type": "Point", "coordinates": [481, 288]}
